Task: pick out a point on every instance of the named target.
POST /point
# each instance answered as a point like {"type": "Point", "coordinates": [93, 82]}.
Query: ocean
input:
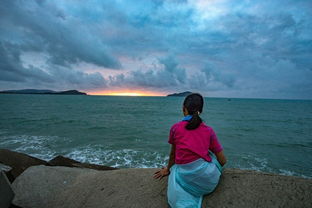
{"type": "Point", "coordinates": [132, 132]}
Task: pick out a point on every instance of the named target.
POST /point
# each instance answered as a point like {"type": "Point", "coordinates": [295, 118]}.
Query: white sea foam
{"type": "Point", "coordinates": [47, 147]}
{"type": "Point", "coordinates": [42, 147]}
{"type": "Point", "coordinates": [118, 158]}
{"type": "Point", "coordinates": [251, 162]}
{"type": "Point", "coordinates": [291, 173]}
{"type": "Point", "coordinates": [260, 164]}
{"type": "Point", "coordinates": [287, 172]}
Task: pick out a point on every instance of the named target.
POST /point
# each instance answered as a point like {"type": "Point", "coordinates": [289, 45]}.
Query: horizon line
{"type": "Point", "coordinates": [254, 98]}
{"type": "Point", "coordinates": [150, 95]}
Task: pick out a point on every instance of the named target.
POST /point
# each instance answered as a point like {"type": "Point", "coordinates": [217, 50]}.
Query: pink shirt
{"type": "Point", "coordinates": [193, 144]}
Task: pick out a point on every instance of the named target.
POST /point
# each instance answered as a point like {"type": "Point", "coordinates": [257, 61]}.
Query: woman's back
{"type": "Point", "coordinates": [192, 167]}
{"type": "Point", "coordinates": [193, 144]}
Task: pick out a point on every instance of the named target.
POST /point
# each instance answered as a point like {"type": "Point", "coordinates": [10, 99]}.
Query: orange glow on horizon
{"type": "Point", "coordinates": [126, 93]}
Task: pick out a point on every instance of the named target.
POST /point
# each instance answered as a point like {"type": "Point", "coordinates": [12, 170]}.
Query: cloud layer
{"type": "Point", "coordinates": [217, 47]}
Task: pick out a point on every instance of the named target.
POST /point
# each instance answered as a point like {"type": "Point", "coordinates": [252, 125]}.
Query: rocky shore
{"type": "Point", "coordinates": [63, 182]}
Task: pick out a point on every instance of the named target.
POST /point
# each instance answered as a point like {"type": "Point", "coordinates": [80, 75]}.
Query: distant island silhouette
{"type": "Point", "coordinates": [45, 92]}
{"type": "Point", "coordinates": [181, 94]}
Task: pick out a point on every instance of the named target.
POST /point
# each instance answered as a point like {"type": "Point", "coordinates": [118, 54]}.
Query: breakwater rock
{"type": "Point", "coordinates": [18, 162]}
{"type": "Point", "coordinates": [67, 162]}
{"type": "Point", "coordinates": [14, 163]}
{"type": "Point", "coordinates": [45, 186]}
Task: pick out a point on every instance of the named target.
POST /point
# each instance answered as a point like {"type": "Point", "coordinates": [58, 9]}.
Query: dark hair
{"type": "Point", "coordinates": [194, 104]}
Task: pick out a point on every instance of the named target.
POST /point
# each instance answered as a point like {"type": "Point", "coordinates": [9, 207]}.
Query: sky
{"type": "Point", "coordinates": [220, 48]}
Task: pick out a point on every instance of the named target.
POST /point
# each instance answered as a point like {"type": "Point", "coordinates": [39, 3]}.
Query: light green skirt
{"type": "Point", "coordinates": [188, 183]}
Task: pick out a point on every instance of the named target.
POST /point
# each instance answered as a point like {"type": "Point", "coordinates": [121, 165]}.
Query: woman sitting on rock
{"type": "Point", "coordinates": [196, 157]}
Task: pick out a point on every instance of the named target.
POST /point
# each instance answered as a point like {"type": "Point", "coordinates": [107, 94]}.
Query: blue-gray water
{"type": "Point", "coordinates": [267, 135]}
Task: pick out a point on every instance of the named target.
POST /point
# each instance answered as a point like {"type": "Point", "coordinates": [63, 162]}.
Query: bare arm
{"type": "Point", "coordinates": [221, 158]}
{"type": "Point", "coordinates": [171, 157]}
{"type": "Point", "coordinates": [166, 170]}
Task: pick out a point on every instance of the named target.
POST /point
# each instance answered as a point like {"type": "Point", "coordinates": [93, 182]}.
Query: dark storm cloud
{"type": "Point", "coordinates": [168, 74]}
{"type": "Point", "coordinates": [13, 73]}
{"type": "Point", "coordinates": [28, 26]}
{"type": "Point", "coordinates": [45, 28]}
{"type": "Point", "coordinates": [220, 48]}
{"type": "Point", "coordinates": [12, 69]}
{"type": "Point", "coordinates": [257, 49]}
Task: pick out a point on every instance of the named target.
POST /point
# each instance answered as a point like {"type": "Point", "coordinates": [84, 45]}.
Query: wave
{"type": "Point", "coordinates": [48, 147]}
{"type": "Point", "coordinates": [125, 158]}
{"type": "Point", "coordinates": [37, 146]}
{"type": "Point", "coordinates": [251, 162]}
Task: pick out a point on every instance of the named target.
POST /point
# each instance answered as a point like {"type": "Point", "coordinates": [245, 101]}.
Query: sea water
{"type": "Point", "coordinates": [257, 134]}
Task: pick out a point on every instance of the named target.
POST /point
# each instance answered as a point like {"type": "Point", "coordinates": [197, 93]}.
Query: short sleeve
{"type": "Point", "coordinates": [215, 145]}
{"type": "Point", "coordinates": [171, 134]}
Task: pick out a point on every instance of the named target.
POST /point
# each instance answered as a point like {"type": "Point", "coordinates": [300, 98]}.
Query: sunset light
{"type": "Point", "coordinates": [126, 93]}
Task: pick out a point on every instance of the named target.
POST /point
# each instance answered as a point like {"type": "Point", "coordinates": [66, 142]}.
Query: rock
{"type": "Point", "coordinates": [6, 192]}
{"type": "Point", "coordinates": [5, 168]}
{"type": "Point", "coordinates": [46, 92]}
{"type": "Point", "coordinates": [243, 188]}
{"type": "Point", "coordinates": [41, 186]}
{"type": "Point", "coordinates": [64, 161]}
{"type": "Point", "coordinates": [44, 186]}
{"type": "Point", "coordinates": [181, 94]}
{"type": "Point", "coordinates": [18, 162]}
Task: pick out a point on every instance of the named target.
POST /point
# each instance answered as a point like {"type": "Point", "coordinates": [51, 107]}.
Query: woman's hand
{"type": "Point", "coordinates": [161, 173]}
{"type": "Point", "coordinates": [221, 158]}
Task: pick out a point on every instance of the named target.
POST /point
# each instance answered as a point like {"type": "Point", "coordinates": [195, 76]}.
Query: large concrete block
{"type": "Point", "coordinates": [5, 168]}
{"type": "Point", "coordinates": [18, 161]}
{"type": "Point", "coordinates": [64, 187]}
{"type": "Point", "coordinates": [6, 192]}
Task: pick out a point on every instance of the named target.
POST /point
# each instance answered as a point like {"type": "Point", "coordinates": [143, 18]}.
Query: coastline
{"type": "Point", "coordinates": [83, 185]}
